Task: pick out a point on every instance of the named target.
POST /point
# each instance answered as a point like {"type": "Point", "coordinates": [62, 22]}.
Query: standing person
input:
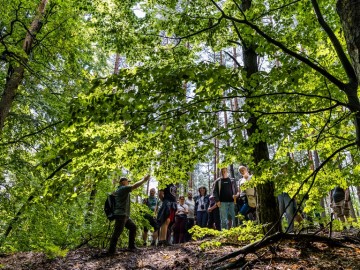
{"type": "Point", "coordinates": [225, 191]}
{"type": "Point", "coordinates": [201, 205]}
{"type": "Point", "coordinates": [214, 221]}
{"type": "Point", "coordinates": [166, 213]}
{"type": "Point", "coordinates": [151, 202]}
{"type": "Point", "coordinates": [285, 201]}
{"type": "Point", "coordinates": [122, 213]}
{"type": "Point", "coordinates": [179, 227]}
{"type": "Point", "coordinates": [190, 216]}
{"type": "Point", "coordinates": [248, 195]}
{"type": "Point", "coordinates": [340, 203]}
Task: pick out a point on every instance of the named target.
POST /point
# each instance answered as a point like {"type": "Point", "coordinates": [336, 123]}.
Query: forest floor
{"type": "Point", "coordinates": [289, 254]}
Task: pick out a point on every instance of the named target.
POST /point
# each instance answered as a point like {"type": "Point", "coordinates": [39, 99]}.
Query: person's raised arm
{"type": "Point", "coordinates": [141, 182]}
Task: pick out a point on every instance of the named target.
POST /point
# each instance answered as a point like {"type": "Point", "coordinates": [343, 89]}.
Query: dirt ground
{"type": "Point", "coordinates": [288, 255]}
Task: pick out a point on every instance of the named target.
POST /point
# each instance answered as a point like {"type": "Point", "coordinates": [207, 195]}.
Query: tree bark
{"type": "Point", "coordinates": [358, 192]}
{"type": "Point", "coordinates": [16, 73]}
{"type": "Point", "coordinates": [90, 205]}
{"type": "Point", "coordinates": [267, 208]}
{"type": "Point", "coordinates": [349, 13]}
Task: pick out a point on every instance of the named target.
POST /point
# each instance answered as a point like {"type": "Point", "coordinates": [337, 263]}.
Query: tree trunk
{"type": "Point", "coordinates": [352, 211]}
{"type": "Point", "coordinates": [316, 162]}
{"type": "Point", "coordinates": [215, 158]}
{"type": "Point", "coordinates": [358, 192]}
{"type": "Point", "coordinates": [90, 205]}
{"type": "Point", "coordinates": [117, 64]}
{"type": "Point", "coordinates": [267, 208]}
{"type": "Point", "coordinates": [191, 181]}
{"type": "Point", "coordinates": [349, 13]}
{"type": "Point", "coordinates": [16, 73]}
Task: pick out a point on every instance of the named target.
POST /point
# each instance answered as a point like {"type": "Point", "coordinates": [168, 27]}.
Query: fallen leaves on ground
{"type": "Point", "coordinates": [288, 255]}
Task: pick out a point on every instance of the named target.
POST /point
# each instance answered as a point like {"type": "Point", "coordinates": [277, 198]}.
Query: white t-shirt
{"type": "Point", "coordinates": [201, 202]}
{"type": "Point", "coordinates": [182, 209]}
{"type": "Point", "coordinates": [250, 192]}
{"type": "Point", "coordinates": [191, 207]}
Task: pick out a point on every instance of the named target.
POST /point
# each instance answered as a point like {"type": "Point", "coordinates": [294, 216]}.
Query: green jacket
{"type": "Point", "coordinates": [122, 201]}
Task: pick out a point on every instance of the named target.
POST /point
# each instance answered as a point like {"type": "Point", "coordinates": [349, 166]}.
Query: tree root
{"type": "Point", "coordinates": [269, 241]}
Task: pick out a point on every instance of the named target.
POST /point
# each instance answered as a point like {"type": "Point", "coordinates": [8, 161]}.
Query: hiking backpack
{"type": "Point", "coordinates": [109, 207]}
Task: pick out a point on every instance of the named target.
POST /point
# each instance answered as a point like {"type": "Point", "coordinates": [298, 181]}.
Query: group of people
{"type": "Point", "coordinates": [172, 217]}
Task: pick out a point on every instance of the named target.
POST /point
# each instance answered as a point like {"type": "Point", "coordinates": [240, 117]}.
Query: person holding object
{"type": "Point", "coordinates": [122, 213]}
{"type": "Point", "coordinates": [248, 195]}
{"type": "Point", "coordinates": [179, 227]}
{"type": "Point", "coordinates": [201, 205]}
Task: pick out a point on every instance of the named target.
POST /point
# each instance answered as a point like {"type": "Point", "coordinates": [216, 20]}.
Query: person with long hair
{"type": "Point", "coordinates": [179, 227]}
{"type": "Point", "coordinates": [201, 205]}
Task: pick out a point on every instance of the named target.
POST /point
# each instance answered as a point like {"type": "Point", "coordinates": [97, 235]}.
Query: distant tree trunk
{"type": "Point", "coordinates": [117, 64]}
{"type": "Point", "coordinates": [90, 205]}
{"type": "Point", "coordinates": [191, 181]}
{"type": "Point", "coordinates": [215, 158]}
{"type": "Point", "coordinates": [267, 208]}
{"type": "Point", "coordinates": [310, 155]}
{"type": "Point", "coordinates": [316, 163]}
{"type": "Point", "coordinates": [228, 142]}
{"type": "Point", "coordinates": [16, 71]}
{"type": "Point", "coordinates": [209, 179]}
{"type": "Point", "coordinates": [217, 152]}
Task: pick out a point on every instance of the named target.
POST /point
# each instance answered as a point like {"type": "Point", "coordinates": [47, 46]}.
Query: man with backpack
{"type": "Point", "coordinates": [122, 213]}
{"type": "Point", "coordinates": [340, 203]}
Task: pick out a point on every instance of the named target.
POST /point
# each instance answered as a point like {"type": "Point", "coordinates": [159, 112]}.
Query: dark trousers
{"type": "Point", "coordinates": [189, 225]}
{"type": "Point", "coordinates": [179, 229]}
{"type": "Point", "coordinates": [214, 219]}
{"type": "Point", "coordinates": [120, 223]}
{"type": "Point", "coordinates": [201, 218]}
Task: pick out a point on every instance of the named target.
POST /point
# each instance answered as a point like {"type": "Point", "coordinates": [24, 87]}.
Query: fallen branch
{"type": "Point", "coordinates": [252, 248]}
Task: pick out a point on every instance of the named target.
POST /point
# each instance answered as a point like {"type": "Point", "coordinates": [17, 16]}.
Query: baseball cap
{"type": "Point", "coordinates": [124, 179]}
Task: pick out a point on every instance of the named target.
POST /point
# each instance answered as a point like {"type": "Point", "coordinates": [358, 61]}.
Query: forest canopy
{"type": "Point", "coordinates": [95, 90]}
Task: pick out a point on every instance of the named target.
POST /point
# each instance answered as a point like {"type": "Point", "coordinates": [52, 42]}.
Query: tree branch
{"type": "Point", "coordinates": [350, 72]}
{"type": "Point", "coordinates": [31, 134]}
{"type": "Point", "coordinates": [30, 198]}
